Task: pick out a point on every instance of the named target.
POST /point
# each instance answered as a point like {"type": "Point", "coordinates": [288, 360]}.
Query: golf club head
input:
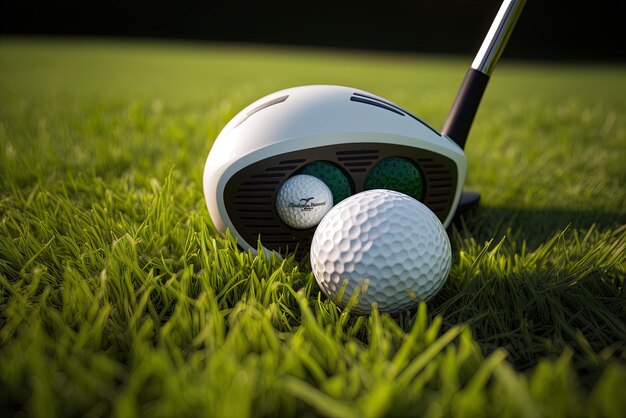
{"type": "Point", "coordinates": [277, 136]}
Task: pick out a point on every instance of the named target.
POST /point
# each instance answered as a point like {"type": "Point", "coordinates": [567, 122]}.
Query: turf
{"type": "Point", "coordinates": [117, 296]}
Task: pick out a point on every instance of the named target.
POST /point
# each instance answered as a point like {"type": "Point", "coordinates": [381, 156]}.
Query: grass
{"type": "Point", "coordinates": [117, 297]}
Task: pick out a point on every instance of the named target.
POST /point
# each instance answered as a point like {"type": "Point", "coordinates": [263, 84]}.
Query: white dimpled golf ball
{"type": "Point", "coordinates": [389, 245]}
{"type": "Point", "coordinates": [303, 200]}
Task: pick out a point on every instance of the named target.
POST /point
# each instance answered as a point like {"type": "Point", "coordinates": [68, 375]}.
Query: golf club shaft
{"type": "Point", "coordinates": [461, 116]}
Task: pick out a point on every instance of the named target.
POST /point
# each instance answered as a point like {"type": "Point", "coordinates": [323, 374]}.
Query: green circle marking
{"type": "Point", "coordinates": [333, 176]}
{"type": "Point", "coordinates": [398, 174]}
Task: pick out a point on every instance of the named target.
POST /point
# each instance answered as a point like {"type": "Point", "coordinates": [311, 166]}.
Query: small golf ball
{"type": "Point", "coordinates": [389, 245]}
{"type": "Point", "coordinates": [302, 201]}
{"type": "Point", "coordinates": [396, 173]}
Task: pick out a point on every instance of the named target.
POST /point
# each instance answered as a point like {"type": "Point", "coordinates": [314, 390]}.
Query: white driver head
{"type": "Point", "coordinates": [349, 129]}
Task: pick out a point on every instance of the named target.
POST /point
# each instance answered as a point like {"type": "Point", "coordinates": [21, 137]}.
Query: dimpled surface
{"type": "Point", "coordinates": [387, 241]}
{"type": "Point", "coordinates": [396, 173]}
{"type": "Point", "coordinates": [333, 176]}
{"type": "Point", "coordinates": [302, 201]}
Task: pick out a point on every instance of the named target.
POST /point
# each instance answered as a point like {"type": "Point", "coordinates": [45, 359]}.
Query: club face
{"type": "Point", "coordinates": [241, 191]}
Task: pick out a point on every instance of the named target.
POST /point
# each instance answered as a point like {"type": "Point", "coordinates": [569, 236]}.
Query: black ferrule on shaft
{"type": "Point", "coordinates": [461, 116]}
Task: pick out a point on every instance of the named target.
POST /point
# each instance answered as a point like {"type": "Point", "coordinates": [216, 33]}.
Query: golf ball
{"type": "Point", "coordinates": [389, 245]}
{"type": "Point", "coordinates": [333, 176]}
{"type": "Point", "coordinates": [302, 201]}
{"type": "Point", "coordinates": [396, 173]}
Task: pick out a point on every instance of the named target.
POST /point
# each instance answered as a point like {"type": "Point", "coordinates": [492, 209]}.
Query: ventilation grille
{"type": "Point", "coordinates": [440, 185]}
{"type": "Point", "coordinates": [250, 194]}
{"type": "Point", "coordinates": [357, 161]}
{"type": "Point", "coordinates": [254, 203]}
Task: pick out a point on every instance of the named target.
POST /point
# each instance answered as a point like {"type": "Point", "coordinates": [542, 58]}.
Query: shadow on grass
{"type": "Point", "coordinates": [539, 304]}
{"type": "Point", "coordinates": [534, 226]}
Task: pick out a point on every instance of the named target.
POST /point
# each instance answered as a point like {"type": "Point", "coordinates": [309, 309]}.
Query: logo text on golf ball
{"type": "Point", "coordinates": [307, 204]}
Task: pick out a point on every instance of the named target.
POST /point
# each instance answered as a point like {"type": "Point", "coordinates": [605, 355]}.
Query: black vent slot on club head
{"type": "Point", "coordinates": [357, 161]}
{"type": "Point", "coordinates": [374, 101]}
{"type": "Point", "coordinates": [440, 184]}
{"type": "Point", "coordinates": [377, 103]}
